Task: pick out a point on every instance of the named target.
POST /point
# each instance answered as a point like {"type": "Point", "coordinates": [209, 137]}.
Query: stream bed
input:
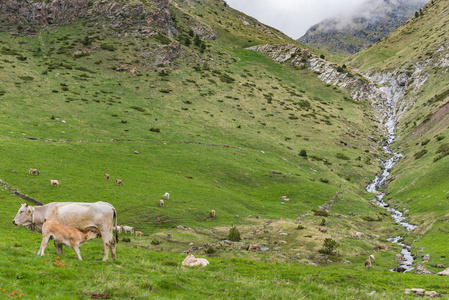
{"type": "Point", "coordinates": [381, 180]}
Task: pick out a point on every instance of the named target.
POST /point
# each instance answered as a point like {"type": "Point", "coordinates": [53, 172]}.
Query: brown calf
{"type": "Point", "coordinates": [68, 236]}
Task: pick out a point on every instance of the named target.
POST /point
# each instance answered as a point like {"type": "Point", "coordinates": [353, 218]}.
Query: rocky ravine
{"type": "Point", "coordinates": [397, 88]}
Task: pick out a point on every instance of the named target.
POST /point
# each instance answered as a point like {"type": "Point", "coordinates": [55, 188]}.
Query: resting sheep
{"type": "Point", "coordinates": [166, 196]}
{"type": "Point", "coordinates": [118, 182]}
{"type": "Point", "coordinates": [212, 213]}
{"type": "Point", "coordinates": [33, 171]}
{"type": "Point", "coordinates": [54, 182]}
{"type": "Point", "coordinates": [190, 260]}
{"type": "Point", "coordinates": [68, 236]}
{"type": "Point", "coordinates": [107, 176]}
{"type": "Point", "coordinates": [161, 203]}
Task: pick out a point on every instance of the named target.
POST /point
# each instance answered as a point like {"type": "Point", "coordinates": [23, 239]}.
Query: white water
{"type": "Point", "coordinates": [379, 181]}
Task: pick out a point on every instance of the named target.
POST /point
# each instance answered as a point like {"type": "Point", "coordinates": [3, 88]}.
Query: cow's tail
{"type": "Point", "coordinates": [116, 231]}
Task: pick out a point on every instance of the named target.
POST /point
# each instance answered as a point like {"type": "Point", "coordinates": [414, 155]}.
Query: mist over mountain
{"type": "Point", "coordinates": [369, 23]}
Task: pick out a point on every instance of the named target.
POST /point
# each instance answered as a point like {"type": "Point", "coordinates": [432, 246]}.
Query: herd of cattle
{"type": "Point", "coordinates": [74, 223]}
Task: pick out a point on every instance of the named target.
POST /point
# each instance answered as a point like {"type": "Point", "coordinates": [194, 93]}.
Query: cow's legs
{"type": "Point", "coordinates": [106, 250]}
{"type": "Point", "coordinates": [112, 246]}
{"type": "Point", "coordinates": [43, 246]}
{"type": "Point", "coordinates": [77, 251]}
{"type": "Point", "coordinates": [58, 249]}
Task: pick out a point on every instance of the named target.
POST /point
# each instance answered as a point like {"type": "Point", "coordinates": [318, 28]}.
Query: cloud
{"type": "Point", "coordinates": [294, 17]}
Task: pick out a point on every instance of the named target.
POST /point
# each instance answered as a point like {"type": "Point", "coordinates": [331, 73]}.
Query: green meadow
{"type": "Point", "coordinates": [218, 127]}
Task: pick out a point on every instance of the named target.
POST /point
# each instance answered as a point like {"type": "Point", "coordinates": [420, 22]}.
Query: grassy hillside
{"type": "Point", "coordinates": [215, 125]}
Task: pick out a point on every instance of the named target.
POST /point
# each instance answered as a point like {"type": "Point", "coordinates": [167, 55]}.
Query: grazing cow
{"type": "Point", "coordinates": [65, 235]}
{"type": "Point", "coordinates": [128, 229]}
{"type": "Point", "coordinates": [118, 182]}
{"type": "Point", "coordinates": [82, 216]}
{"type": "Point", "coordinates": [166, 196]}
{"type": "Point", "coordinates": [212, 213]}
{"type": "Point", "coordinates": [323, 230]}
{"type": "Point", "coordinates": [369, 261]}
{"type": "Point", "coordinates": [54, 182]}
{"type": "Point", "coordinates": [398, 257]}
{"type": "Point", "coordinates": [161, 202]}
{"type": "Point", "coordinates": [33, 171]}
{"type": "Point", "coordinates": [190, 260]}
{"type": "Point", "coordinates": [139, 233]}
{"type": "Point", "coordinates": [107, 176]}
{"type": "Point", "coordinates": [379, 247]}
{"type": "Point", "coordinates": [118, 229]}
{"type": "Point", "coordinates": [253, 247]}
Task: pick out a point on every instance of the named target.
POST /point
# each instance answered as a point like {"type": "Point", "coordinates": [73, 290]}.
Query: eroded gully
{"type": "Point", "coordinates": [381, 180]}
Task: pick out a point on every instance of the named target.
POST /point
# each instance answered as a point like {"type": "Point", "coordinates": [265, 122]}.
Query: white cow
{"type": "Point", "coordinates": [82, 216]}
{"type": "Point", "coordinates": [65, 235]}
{"type": "Point", "coordinates": [128, 229]}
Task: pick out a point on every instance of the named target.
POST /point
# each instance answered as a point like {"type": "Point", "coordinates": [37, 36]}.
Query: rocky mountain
{"type": "Point", "coordinates": [374, 20]}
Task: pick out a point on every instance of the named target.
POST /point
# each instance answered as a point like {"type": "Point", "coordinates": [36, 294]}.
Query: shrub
{"type": "Point", "coordinates": [126, 240]}
{"type": "Point", "coordinates": [234, 234]}
{"type": "Point", "coordinates": [320, 212]}
{"type": "Point", "coordinates": [323, 222]}
{"type": "Point", "coordinates": [156, 242]}
{"type": "Point", "coordinates": [419, 154]}
{"type": "Point", "coordinates": [108, 47]}
{"type": "Point", "coordinates": [341, 156]}
{"type": "Point", "coordinates": [324, 180]}
{"type": "Point", "coordinates": [153, 129]}
{"type": "Point", "coordinates": [329, 247]}
{"type": "Point", "coordinates": [440, 137]}
{"type": "Point", "coordinates": [322, 56]}
{"type": "Point", "coordinates": [443, 149]}
{"type": "Point", "coordinates": [300, 227]}
{"type": "Point", "coordinates": [425, 142]}
{"type": "Point", "coordinates": [210, 250]}
{"type": "Point", "coordinates": [226, 78]}
{"type": "Point", "coordinates": [303, 153]}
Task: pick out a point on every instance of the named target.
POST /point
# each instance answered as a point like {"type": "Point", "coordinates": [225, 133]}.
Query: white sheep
{"type": "Point", "coordinates": [119, 182]}
{"type": "Point", "coordinates": [212, 213]}
{"type": "Point", "coordinates": [33, 171]}
{"type": "Point", "coordinates": [190, 260]}
{"type": "Point", "coordinates": [107, 176]}
{"type": "Point", "coordinates": [166, 196]}
{"type": "Point", "coordinates": [161, 202]}
{"type": "Point", "coordinates": [54, 182]}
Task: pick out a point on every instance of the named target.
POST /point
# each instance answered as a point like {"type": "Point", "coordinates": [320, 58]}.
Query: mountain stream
{"type": "Point", "coordinates": [379, 181]}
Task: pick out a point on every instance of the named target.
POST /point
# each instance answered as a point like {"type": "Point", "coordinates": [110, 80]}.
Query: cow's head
{"type": "Point", "coordinates": [24, 215]}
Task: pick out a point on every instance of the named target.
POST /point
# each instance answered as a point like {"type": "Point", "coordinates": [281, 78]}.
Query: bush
{"type": "Point", "coordinates": [419, 154]}
{"type": "Point", "coordinates": [153, 129]}
{"type": "Point", "coordinates": [108, 47]}
{"type": "Point", "coordinates": [329, 246]}
{"type": "Point", "coordinates": [323, 222]}
{"type": "Point", "coordinates": [341, 156]}
{"type": "Point", "coordinates": [320, 212]}
{"type": "Point", "coordinates": [234, 234]}
{"type": "Point", "coordinates": [210, 250]}
{"type": "Point", "coordinates": [126, 240]}
{"type": "Point", "coordinates": [303, 153]}
{"type": "Point", "coordinates": [300, 227]}
{"type": "Point", "coordinates": [156, 242]}
{"type": "Point", "coordinates": [425, 142]}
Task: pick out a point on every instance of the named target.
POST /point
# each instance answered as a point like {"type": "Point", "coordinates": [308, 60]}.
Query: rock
{"type": "Point", "coordinates": [418, 292]}
{"type": "Point", "coordinates": [263, 249]}
{"type": "Point", "coordinates": [426, 258]}
{"type": "Point", "coordinates": [282, 233]}
{"type": "Point", "coordinates": [420, 269]}
{"type": "Point", "coordinates": [444, 272]}
{"type": "Point", "coordinates": [182, 227]}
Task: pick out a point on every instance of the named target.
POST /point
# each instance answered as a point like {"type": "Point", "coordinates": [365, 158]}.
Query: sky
{"type": "Point", "coordinates": [294, 17]}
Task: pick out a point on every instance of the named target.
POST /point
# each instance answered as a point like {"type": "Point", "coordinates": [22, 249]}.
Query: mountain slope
{"type": "Point", "coordinates": [373, 21]}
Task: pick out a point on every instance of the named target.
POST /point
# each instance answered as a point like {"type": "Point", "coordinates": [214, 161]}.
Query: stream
{"type": "Point", "coordinates": [379, 181]}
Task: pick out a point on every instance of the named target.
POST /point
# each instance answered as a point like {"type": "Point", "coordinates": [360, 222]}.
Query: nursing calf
{"type": "Point", "coordinates": [65, 235]}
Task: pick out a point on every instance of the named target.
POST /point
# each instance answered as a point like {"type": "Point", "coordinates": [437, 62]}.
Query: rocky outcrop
{"type": "Point", "coordinates": [149, 18]}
